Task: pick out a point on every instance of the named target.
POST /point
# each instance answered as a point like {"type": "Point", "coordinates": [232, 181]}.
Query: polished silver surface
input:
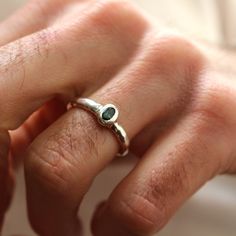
{"type": "Point", "coordinates": [107, 116]}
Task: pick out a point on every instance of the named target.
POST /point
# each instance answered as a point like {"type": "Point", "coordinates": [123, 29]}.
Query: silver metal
{"type": "Point", "coordinates": [98, 110]}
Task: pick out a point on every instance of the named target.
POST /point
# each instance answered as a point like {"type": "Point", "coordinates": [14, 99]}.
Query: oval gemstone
{"type": "Point", "coordinates": [108, 113]}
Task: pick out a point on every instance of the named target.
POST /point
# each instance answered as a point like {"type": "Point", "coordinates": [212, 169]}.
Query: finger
{"type": "Point", "coordinates": [172, 170]}
{"type": "Point", "coordinates": [6, 178]}
{"type": "Point", "coordinates": [34, 16]}
{"type": "Point", "coordinates": [144, 140]}
{"type": "Point", "coordinates": [64, 61]}
{"type": "Point", "coordinates": [35, 124]}
{"type": "Point", "coordinates": [62, 162]}
{"type": "Point", "coordinates": [27, 20]}
{"type": "Point", "coordinates": [36, 58]}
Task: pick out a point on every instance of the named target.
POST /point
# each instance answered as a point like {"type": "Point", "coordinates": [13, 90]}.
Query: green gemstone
{"type": "Point", "coordinates": [108, 113]}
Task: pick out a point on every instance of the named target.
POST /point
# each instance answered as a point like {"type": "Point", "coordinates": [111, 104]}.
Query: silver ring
{"type": "Point", "coordinates": [107, 116]}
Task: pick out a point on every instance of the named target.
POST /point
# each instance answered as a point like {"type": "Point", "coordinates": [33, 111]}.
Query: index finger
{"type": "Point", "coordinates": [64, 60]}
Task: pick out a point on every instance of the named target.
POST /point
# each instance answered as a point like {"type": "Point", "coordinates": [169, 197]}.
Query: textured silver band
{"type": "Point", "coordinates": [107, 116]}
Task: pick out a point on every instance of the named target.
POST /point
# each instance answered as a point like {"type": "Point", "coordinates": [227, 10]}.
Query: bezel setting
{"type": "Point", "coordinates": [112, 120]}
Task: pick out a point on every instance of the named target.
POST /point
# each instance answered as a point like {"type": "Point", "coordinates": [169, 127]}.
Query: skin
{"type": "Point", "coordinates": [53, 51]}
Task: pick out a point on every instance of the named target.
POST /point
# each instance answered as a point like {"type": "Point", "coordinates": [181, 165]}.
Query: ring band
{"type": "Point", "coordinates": [107, 116]}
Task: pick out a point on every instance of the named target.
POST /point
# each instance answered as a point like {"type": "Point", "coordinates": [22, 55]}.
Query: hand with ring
{"type": "Point", "coordinates": [126, 79]}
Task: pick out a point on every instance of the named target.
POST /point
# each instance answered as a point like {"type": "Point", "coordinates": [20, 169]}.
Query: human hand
{"type": "Point", "coordinates": [176, 107]}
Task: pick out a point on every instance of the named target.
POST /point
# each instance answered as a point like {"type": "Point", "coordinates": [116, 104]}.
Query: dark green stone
{"type": "Point", "coordinates": [108, 113]}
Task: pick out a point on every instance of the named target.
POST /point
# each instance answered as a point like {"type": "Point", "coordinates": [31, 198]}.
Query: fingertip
{"type": "Point", "coordinates": [106, 223]}
{"type": "Point", "coordinates": [96, 215]}
{"type": "Point", "coordinates": [6, 176]}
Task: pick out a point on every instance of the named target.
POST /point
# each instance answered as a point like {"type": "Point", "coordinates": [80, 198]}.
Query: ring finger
{"type": "Point", "coordinates": [62, 162]}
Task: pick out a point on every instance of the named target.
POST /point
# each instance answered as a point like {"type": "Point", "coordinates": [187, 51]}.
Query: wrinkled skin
{"type": "Point", "coordinates": [177, 101]}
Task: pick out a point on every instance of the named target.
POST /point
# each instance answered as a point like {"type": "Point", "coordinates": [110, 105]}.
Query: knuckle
{"type": "Point", "coordinates": [107, 9]}
{"type": "Point", "coordinates": [171, 62]}
{"type": "Point", "coordinates": [213, 116]}
{"type": "Point", "coordinates": [211, 102]}
{"type": "Point", "coordinates": [119, 18]}
{"type": "Point", "coordinates": [108, 5]}
{"type": "Point", "coordinates": [173, 55]}
{"type": "Point", "coordinates": [47, 171]}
